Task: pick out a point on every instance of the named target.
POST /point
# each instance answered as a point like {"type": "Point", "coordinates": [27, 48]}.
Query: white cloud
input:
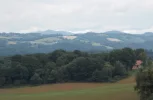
{"type": "Point", "coordinates": [140, 31]}
{"type": "Point", "coordinates": [76, 15]}
{"type": "Point", "coordinates": [31, 29]}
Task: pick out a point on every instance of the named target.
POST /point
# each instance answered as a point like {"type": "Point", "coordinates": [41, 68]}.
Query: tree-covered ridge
{"type": "Point", "coordinates": [63, 66]}
{"type": "Point", "coordinates": [48, 41]}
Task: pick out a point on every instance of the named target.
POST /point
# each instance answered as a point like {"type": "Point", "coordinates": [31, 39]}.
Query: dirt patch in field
{"type": "Point", "coordinates": [127, 80]}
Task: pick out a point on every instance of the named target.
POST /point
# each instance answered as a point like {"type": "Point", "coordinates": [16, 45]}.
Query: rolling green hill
{"type": "Point", "coordinates": [44, 42]}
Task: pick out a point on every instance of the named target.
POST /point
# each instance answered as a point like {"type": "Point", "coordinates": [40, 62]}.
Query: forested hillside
{"type": "Point", "coordinates": [63, 66]}
{"type": "Point", "coordinates": [45, 42]}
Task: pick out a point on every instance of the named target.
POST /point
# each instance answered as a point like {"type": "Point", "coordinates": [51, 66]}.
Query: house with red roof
{"type": "Point", "coordinates": [137, 65]}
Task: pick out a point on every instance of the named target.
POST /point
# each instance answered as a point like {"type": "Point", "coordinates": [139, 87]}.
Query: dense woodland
{"type": "Point", "coordinates": [63, 66]}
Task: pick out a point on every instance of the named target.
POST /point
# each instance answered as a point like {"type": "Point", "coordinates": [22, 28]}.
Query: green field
{"type": "Point", "coordinates": [47, 40]}
{"type": "Point", "coordinates": [122, 90]}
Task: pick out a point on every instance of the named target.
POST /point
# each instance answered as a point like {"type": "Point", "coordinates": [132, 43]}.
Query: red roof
{"type": "Point", "coordinates": [137, 65]}
{"type": "Point", "coordinates": [139, 62]}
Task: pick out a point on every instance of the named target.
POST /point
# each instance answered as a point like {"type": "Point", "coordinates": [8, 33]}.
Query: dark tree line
{"type": "Point", "coordinates": [62, 66]}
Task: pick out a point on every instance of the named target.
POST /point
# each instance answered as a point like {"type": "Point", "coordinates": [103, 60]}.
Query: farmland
{"type": "Point", "coordinates": [122, 90]}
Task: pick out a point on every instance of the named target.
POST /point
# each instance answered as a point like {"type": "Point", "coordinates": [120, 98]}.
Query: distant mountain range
{"type": "Point", "coordinates": [49, 40]}
{"type": "Point", "coordinates": [55, 32]}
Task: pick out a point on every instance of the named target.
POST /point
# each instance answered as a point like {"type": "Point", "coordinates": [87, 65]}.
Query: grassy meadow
{"type": "Point", "coordinates": [122, 90]}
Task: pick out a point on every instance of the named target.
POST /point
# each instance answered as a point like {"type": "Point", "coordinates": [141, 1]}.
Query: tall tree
{"type": "Point", "coordinates": [144, 84]}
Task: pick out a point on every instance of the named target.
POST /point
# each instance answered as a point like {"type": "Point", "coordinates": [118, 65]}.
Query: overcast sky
{"type": "Point", "coordinates": [135, 16]}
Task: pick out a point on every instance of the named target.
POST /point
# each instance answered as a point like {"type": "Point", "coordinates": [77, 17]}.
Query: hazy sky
{"type": "Point", "coordinates": [134, 16]}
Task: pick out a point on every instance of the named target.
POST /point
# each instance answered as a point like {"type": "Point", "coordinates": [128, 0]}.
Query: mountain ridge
{"type": "Point", "coordinates": [14, 43]}
{"type": "Point", "coordinates": [72, 33]}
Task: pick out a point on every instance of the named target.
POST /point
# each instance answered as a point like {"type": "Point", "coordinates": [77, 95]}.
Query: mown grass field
{"type": "Point", "coordinates": [122, 90]}
{"type": "Point", "coordinates": [47, 40]}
